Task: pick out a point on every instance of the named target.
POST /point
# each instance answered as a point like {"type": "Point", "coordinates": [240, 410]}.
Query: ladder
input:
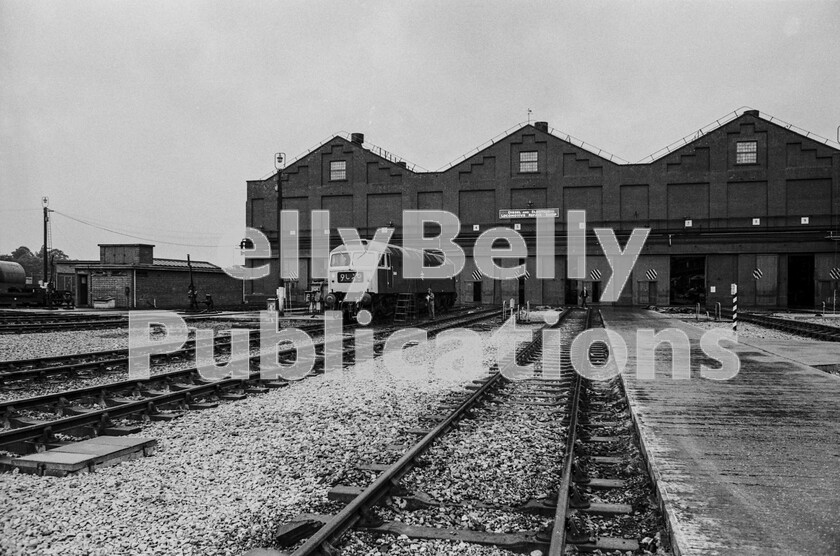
{"type": "Point", "coordinates": [406, 308]}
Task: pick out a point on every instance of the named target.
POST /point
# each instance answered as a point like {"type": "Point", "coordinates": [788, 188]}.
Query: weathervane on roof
{"type": "Point", "coordinates": [529, 115]}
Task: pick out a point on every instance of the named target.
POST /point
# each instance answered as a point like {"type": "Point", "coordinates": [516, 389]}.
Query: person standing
{"type": "Point", "coordinates": [430, 301]}
{"type": "Point", "coordinates": [584, 293]}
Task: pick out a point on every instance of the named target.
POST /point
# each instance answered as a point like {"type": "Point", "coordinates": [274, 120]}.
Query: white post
{"type": "Point", "coordinates": [734, 292]}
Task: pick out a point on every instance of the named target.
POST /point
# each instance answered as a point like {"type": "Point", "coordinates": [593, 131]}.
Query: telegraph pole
{"type": "Point", "coordinates": [47, 298]}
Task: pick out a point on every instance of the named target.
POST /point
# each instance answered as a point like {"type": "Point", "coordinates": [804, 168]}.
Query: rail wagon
{"type": "Point", "coordinates": [388, 284]}
{"type": "Point", "coordinates": [13, 288]}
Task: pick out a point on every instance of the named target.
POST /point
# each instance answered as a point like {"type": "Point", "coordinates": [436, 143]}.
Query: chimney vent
{"type": "Point", "coordinates": [542, 126]}
{"type": "Point", "coordinates": [357, 138]}
{"type": "Point", "coordinates": [751, 113]}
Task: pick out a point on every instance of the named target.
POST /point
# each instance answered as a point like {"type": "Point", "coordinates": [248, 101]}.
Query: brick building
{"type": "Point", "coordinates": [134, 278]}
{"type": "Point", "coordinates": [747, 201]}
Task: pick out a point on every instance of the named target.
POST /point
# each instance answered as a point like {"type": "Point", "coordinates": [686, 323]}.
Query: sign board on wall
{"type": "Point", "coordinates": [506, 214]}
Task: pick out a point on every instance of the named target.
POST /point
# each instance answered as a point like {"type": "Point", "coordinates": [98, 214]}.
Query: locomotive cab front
{"type": "Point", "coordinates": [345, 271]}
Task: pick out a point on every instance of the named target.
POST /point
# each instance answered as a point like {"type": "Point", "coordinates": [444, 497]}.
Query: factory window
{"type": "Point", "coordinates": [745, 152]}
{"type": "Point", "coordinates": [338, 170]}
{"type": "Point", "coordinates": [528, 162]}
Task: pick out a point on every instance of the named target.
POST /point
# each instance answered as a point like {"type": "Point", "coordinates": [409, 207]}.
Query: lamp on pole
{"type": "Point", "coordinates": [279, 163]}
{"type": "Point", "coordinates": [45, 201]}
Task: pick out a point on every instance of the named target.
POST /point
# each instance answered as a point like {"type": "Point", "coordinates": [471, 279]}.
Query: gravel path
{"type": "Point", "coordinates": [222, 479]}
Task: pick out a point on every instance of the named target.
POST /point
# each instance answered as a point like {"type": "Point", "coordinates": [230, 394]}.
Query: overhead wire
{"type": "Point", "coordinates": [133, 236]}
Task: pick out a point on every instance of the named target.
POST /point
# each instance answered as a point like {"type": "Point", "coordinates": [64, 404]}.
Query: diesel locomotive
{"type": "Point", "coordinates": [388, 285]}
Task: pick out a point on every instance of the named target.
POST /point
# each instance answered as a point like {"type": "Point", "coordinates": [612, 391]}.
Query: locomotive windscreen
{"type": "Point", "coordinates": [340, 259]}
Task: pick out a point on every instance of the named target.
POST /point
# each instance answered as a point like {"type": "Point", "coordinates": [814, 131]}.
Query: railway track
{"type": "Point", "coordinates": [30, 424]}
{"type": "Point", "coordinates": [20, 323]}
{"type": "Point", "coordinates": [58, 326]}
{"type": "Point", "coordinates": [13, 373]}
{"type": "Point", "coordinates": [810, 330]}
{"type": "Point", "coordinates": [568, 410]}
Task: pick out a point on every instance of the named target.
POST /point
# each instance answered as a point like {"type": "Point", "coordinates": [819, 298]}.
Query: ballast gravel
{"type": "Point", "coordinates": [494, 458]}
{"type": "Point", "coordinates": [366, 544]}
{"type": "Point", "coordinates": [74, 342]}
{"type": "Point", "coordinates": [222, 479]}
{"type": "Point", "coordinates": [70, 342]}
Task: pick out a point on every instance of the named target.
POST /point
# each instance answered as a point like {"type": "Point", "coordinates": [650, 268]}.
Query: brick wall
{"type": "Point", "coordinates": [168, 289]}
{"type": "Point", "coordinates": [749, 208]}
{"type": "Point", "coordinates": [110, 284]}
{"type": "Point", "coordinates": [126, 254]}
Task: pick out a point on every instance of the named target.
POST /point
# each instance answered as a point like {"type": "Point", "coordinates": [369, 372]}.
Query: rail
{"type": "Point", "coordinates": [558, 533]}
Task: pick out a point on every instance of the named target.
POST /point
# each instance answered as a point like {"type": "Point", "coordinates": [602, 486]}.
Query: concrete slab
{"type": "Point", "coordinates": [52, 463]}
{"type": "Point", "coordinates": [121, 440]}
{"type": "Point", "coordinates": [807, 352]}
{"type": "Point", "coordinates": [749, 465]}
{"type": "Point", "coordinates": [86, 455]}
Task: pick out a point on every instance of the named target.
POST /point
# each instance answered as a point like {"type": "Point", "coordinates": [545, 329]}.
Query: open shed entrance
{"type": "Point", "coordinates": [688, 280]}
{"type": "Point", "coordinates": [801, 280]}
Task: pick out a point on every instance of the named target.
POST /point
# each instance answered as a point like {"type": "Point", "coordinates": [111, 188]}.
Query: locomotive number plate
{"type": "Point", "coordinates": [349, 277]}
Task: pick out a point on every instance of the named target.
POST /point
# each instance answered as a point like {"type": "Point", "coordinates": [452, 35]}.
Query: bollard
{"type": "Point", "coordinates": [823, 311]}
{"type": "Point", "coordinates": [697, 312]}
{"type": "Point", "coordinates": [717, 311]}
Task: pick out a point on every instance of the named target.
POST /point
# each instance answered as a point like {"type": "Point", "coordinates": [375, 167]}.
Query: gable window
{"type": "Point", "coordinates": [338, 170]}
{"type": "Point", "coordinates": [745, 152]}
{"type": "Point", "coordinates": [528, 162]}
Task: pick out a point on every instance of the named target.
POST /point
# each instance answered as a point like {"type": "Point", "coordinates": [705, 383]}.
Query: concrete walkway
{"type": "Point", "coordinates": [745, 466]}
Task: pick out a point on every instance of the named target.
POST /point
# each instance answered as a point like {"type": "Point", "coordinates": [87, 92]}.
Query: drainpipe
{"type": "Point", "coordinates": [134, 289]}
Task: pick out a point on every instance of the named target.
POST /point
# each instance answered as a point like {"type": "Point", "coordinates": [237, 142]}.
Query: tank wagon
{"type": "Point", "coordinates": [388, 284]}
{"type": "Point", "coordinates": [13, 288]}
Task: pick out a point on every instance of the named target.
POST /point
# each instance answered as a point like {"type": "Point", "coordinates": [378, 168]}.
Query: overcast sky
{"type": "Point", "coordinates": [147, 118]}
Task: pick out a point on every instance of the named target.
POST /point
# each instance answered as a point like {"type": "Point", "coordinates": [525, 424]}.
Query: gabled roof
{"type": "Point", "coordinates": [370, 148]}
{"type": "Point", "coordinates": [741, 114]}
{"type": "Point", "coordinates": [578, 144]}
{"type": "Point", "coordinates": [604, 156]}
